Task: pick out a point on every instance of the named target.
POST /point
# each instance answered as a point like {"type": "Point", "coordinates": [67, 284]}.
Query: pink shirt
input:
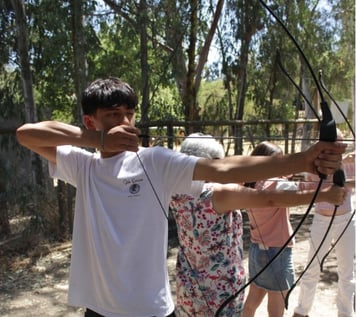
{"type": "Point", "coordinates": [270, 226]}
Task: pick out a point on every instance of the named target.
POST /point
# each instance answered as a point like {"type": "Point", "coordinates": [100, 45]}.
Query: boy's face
{"type": "Point", "coordinates": [107, 118]}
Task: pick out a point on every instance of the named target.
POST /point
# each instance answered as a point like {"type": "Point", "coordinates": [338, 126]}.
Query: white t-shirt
{"type": "Point", "coordinates": [118, 265]}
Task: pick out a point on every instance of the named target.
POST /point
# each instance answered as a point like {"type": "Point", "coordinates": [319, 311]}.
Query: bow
{"type": "Point", "coordinates": [327, 133]}
{"type": "Point", "coordinates": [353, 134]}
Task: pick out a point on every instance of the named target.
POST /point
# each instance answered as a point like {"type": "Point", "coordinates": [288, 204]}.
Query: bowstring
{"type": "Point", "coordinates": [152, 187]}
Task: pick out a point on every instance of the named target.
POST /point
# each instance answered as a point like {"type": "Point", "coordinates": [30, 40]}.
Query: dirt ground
{"type": "Point", "coordinates": [37, 285]}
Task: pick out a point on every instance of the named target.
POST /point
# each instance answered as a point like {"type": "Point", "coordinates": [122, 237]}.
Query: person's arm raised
{"type": "Point", "coordinates": [44, 137]}
{"type": "Point", "coordinates": [323, 157]}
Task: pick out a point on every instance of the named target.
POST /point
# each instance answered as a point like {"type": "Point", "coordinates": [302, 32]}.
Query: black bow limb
{"type": "Point", "coordinates": [335, 103]}
{"type": "Point", "coordinates": [327, 130]}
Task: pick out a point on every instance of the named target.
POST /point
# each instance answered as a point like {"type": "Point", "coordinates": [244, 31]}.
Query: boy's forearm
{"type": "Point", "coordinates": [52, 133]}
{"type": "Point", "coordinates": [323, 157]}
{"type": "Point", "coordinates": [251, 168]}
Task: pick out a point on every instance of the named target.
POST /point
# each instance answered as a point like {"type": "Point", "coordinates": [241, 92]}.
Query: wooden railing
{"type": "Point", "coordinates": [288, 134]}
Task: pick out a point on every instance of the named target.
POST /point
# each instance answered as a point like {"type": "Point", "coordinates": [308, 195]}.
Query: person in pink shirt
{"type": "Point", "coordinates": [270, 228]}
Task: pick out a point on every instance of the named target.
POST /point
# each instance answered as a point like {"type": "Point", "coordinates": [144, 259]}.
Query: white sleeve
{"type": "Point", "coordinates": [287, 186]}
{"type": "Point", "coordinates": [174, 169]}
{"type": "Point", "coordinates": [69, 161]}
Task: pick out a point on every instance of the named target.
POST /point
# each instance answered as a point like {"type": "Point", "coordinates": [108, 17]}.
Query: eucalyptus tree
{"type": "Point", "coordinates": [129, 40]}
{"type": "Point", "coordinates": [245, 22]}
{"type": "Point", "coordinates": [310, 25]}
{"type": "Point", "coordinates": [43, 55]}
{"type": "Point", "coordinates": [199, 36]}
{"type": "Point", "coordinates": [22, 49]}
{"type": "Point", "coordinates": [180, 33]}
{"type": "Point", "coordinates": [340, 77]}
{"type": "Point", "coordinates": [250, 39]}
{"type": "Point", "coordinates": [23, 60]}
{"type": "Point", "coordinates": [272, 94]}
{"type": "Point", "coordinates": [79, 54]}
{"type": "Point", "coordinates": [14, 34]}
{"type": "Point", "coordinates": [137, 16]}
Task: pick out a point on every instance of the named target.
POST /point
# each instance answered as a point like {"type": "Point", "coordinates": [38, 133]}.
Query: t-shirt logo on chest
{"type": "Point", "coordinates": [134, 185]}
{"type": "Point", "coordinates": [134, 188]}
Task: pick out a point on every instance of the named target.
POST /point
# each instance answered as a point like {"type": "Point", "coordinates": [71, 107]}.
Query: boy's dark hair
{"type": "Point", "coordinates": [108, 93]}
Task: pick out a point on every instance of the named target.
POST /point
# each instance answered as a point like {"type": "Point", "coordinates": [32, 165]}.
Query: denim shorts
{"type": "Point", "coordinates": [279, 276]}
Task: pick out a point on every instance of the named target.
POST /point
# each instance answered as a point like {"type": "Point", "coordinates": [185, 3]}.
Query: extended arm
{"type": "Point", "coordinates": [232, 196]}
{"type": "Point", "coordinates": [324, 157]}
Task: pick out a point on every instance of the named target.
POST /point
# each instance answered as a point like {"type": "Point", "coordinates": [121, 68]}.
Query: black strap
{"type": "Point", "coordinates": [91, 313]}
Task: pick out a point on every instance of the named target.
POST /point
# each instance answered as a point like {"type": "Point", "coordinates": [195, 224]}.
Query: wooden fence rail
{"type": "Point", "coordinates": [286, 133]}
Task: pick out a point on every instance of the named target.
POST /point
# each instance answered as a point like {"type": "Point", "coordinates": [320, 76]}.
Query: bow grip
{"type": "Point", "coordinates": [327, 128]}
{"type": "Point", "coordinates": [339, 178]}
{"type": "Point", "coordinates": [328, 131]}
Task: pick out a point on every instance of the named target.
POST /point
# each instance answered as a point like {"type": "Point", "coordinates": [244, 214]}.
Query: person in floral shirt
{"type": "Point", "coordinates": [209, 265]}
{"type": "Point", "coordinates": [209, 262]}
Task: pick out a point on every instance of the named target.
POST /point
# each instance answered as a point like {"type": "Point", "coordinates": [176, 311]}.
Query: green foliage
{"type": "Point", "coordinates": [166, 105]}
{"type": "Point", "coordinates": [117, 53]}
{"type": "Point", "coordinates": [113, 48]}
{"type": "Point", "coordinates": [10, 94]}
{"type": "Point", "coordinates": [63, 115]}
{"type": "Point", "coordinates": [212, 100]}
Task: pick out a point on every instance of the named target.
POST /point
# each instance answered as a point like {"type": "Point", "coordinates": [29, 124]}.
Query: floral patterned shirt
{"type": "Point", "coordinates": [209, 262]}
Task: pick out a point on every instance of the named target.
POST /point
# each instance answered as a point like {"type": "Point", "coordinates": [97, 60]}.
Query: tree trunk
{"type": "Point", "coordinates": [65, 192]}
{"type": "Point", "coordinates": [80, 65]}
{"type": "Point", "coordinates": [307, 128]}
{"type": "Point", "coordinates": [190, 98]}
{"type": "Point", "coordinates": [188, 79]}
{"type": "Point", "coordinates": [4, 215]}
{"type": "Point", "coordinates": [144, 68]}
{"type": "Point", "coordinates": [203, 56]}
{"type": "Point", "coordinates": [240, 104]}
{"type": "Point", "coordinates": [27, 82]}
{"type": "Point", "coordinates": [249, 23]}
{"type": "Point", "coordinates": [62, 210]}
{"type": "Point", "coordinates": [22, 49]}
